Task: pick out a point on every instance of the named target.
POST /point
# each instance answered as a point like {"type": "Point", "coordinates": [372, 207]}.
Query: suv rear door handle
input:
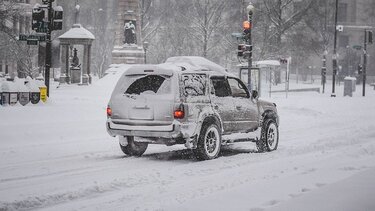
{"type": "Point", "coordinates": [239, 107]}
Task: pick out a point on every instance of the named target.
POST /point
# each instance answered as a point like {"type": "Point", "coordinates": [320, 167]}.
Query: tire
{"type": "Point", "coordinates": [209, 142]}
{"type": "Point", "coordinates": [269, 138]}
{"type": "Point", "coordinates": [134, 148]}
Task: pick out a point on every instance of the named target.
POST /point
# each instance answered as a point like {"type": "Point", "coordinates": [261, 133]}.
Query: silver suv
{"type": "Point", "coordinates": [190, 101]}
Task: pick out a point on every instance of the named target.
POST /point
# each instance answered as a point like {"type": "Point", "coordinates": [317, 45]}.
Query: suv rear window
{"type": "Point", "coordinates": [151, 84]}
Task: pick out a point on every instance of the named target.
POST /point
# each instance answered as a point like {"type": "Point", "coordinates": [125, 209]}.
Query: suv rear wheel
{"type": "Point", "coordinates": [209, 142]}
{"type": "Point", "coordinates": [270, 136]}
{"type": "Point", "coordinates": [134, 148]}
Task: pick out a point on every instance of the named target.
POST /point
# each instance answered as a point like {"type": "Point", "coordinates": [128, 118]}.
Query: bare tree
{"type": "Point", "coordinates": [280, 17]}
{"type": "Point", "coordinates": [206, 20]}
{"type": "Point", "coordinates": [319, 21]}
{"type": "Point", "coordinates": [152, 16]}
{"type": "Point", "coordinates": [103, 45]}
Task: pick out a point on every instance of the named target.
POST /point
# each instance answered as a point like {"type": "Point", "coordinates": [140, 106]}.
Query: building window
{"type": "Point", "coordinates": [343, 41]}
{"type": "Point", "coordinates": [342, 12]}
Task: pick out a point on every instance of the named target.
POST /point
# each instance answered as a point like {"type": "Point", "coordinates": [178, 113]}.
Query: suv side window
{"type": "Point", "coordinates": [194, 84]}
{"type": "Point", "coordinates": [238, 88]}
{"type": "Point", "coordinates": [221, 87]}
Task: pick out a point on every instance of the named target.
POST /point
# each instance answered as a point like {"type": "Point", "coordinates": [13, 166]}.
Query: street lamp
{"type": "Point", "coordinates": [247, 30]}
{"type": "Point", "coordinates": [145, 46]}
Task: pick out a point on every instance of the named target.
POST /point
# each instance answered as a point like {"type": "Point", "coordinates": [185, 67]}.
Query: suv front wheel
{"type": "Point", "coordinates": [269, 136]}
{"type": "Point", "coordinates": [209, 142]}
{"type": "Point", "coordinates": [134, 148]}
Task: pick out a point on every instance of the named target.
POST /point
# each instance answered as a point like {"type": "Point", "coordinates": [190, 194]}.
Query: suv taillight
{"type": "Point", "coordinates": [109, 112]}
{"type": "Point", "coordinates": [179, 113]}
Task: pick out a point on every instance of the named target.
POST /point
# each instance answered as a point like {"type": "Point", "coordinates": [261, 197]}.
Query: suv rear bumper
{"type": "Point", "coordinates": [171, 131]}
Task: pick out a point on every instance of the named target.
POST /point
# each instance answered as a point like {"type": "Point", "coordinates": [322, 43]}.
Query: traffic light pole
{"type": "Point", "coordinates": [48, 47]}
{"type": "Point", "coordinates": [364, 65]}
{"type": "Point", "coordinates": [250, 58]}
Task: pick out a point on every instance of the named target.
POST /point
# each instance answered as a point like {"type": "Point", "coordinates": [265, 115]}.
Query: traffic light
{"type": "Point", "coordinates": [244, 50]}
{"type": "Point", "coordinates": [240, 50]}
{"type": "Point", "coordinates": [360, 67]}
{"type": "Point", "coordinates": [47, 1]}
{"type": "Point", "coordinates": [246, 29]}
{"type": "Point", "coordinates": [369, 37]}
{"type": "Point", "coordinates": [37, 17]}
{"type": "Point", "coordinates": [324, 71]}
{"type": "Point", "coordinates": [58, 18]}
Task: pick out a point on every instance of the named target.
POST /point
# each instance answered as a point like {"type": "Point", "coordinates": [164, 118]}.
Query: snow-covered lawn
{"type": "Point", "coordinates": [58, 156]}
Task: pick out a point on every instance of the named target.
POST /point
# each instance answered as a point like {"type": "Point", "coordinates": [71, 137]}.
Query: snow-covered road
{"type": "Point", "coordinates": [58, 156]}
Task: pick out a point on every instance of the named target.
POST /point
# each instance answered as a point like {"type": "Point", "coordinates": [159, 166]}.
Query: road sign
{"type": "Point", "coordinates": [238, 35]}
{"type": "Point", "coordinates": [39, 37]}
{"type": "Point", "coordinates": [32, 42]}
{"type": "Point", "coordinates": [22, 37]}
{"type": "Point", "coordinates": [340, 28]}
{"type": "Point", "coordinates": [357, 47]}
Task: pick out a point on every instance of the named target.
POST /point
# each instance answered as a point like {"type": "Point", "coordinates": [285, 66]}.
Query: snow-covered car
{"type": "Point", "coordinates": [190, 101]}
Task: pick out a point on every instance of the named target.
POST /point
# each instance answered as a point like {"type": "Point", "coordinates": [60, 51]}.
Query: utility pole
{"type": "Point", "coordinates": [334, 62]}
{"type": "Point", "coordinates": [364, 65]}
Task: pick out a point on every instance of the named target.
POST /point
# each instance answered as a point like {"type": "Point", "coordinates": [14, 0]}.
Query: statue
{"type": "Point", "coordinates": [75, 61]}
{"type": "Point", "coordinates": [129, 32]}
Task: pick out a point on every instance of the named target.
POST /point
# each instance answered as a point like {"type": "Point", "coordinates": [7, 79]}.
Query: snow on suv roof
{"type": "Point", "coordinates": [152, 69]}
{"type": "Point", "coordinates": [178, 64]}
{"type": "Point", "coordinates": [195, 63]}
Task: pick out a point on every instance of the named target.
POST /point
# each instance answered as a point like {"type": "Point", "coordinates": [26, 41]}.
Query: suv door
{"type": "Point", "coordinates": [246, 110]}
{"type": "Point", "coordinates": [221, 102]}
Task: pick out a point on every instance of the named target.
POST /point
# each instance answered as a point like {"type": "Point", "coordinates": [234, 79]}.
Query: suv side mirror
{"type": "Point", "coordinates": [254, 94]}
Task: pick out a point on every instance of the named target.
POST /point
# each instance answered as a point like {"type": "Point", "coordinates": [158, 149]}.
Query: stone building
{"type": "Point", "coordinates": [355, 16]}
{"type": "Point", "coordinates": [19, 23]}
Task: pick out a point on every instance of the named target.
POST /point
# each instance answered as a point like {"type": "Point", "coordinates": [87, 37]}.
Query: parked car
{"type": "Point", "coordinates": [190, 101]}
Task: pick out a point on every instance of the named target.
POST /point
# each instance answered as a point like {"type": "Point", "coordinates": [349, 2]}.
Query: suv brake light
{"type": "Point", "coordinates": [109, 111]}
{"type": "Point", "coordinates": [179, 113]}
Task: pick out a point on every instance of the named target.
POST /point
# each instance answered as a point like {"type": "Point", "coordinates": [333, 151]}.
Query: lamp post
{"type": "Point", "coordinates": [145, 46]}
{"type": "Point", "coordinates": [334, 57]}
{"type": "Point", "coordinates": [250, 11]}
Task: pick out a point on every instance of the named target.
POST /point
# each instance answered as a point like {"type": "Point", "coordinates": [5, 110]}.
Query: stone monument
{"type": "Point", "coordinates": [72, 71]}
{"type": "Point", "coordinates": [75, 69]}
{"type": "Point", "coordinates": [128, 46]}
